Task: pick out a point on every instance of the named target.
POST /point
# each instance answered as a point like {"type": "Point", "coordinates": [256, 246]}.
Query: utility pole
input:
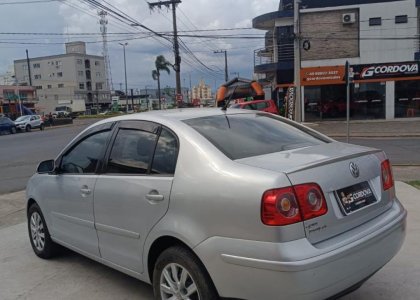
{"type": "Point", "coordinates": [298, 102]}
{"type": "Point", "coordinates": [125, 73]}
{"type": "Point", "coordinates": [226, 64]}
{"type": "Point", "coordinates": [132, 100]}
{"type": "Point", "coordinates": [29, 67]}
{"type": "Point", "coordinates": [177, 65]}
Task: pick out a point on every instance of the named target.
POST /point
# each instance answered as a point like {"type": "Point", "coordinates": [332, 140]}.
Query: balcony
{"type": "Point", "coordinates": [268, 21]}
{"type": "Point", "coordinates": [273, 59]}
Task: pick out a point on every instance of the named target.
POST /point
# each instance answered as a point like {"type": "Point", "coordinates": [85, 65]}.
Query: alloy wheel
{"type": "Point", "coordinates": [37, 231]}
{"type": "Point", "coordinates": [176, 283]}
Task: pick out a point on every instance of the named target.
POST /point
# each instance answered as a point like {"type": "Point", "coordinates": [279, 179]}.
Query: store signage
{"type": "Point", "coordinates": [322, 75]}
{"type": "Point", "coordinates": [290, 102]}
{"type": "Point", "coordinates": [386, 71]}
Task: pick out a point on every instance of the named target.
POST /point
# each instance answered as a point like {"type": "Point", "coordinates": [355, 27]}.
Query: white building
{"type": "Point", "coordinates": [60, 79]}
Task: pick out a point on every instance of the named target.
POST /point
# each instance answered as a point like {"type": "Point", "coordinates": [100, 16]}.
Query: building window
{"type": "Point", "coordinates": [99, 86]}
{"type": "Point", "coordinates": [37, 76]}
{"type": "Point", "coordinates": [401, 19]}
{"type": "Point", "coordinates": [80, 73]}
{"type": "Point", "coordinates": [52, 74]}
{"type": "Point", "coordinates": [39, 87]}
{"type": "Point", "coordinates": [98, 74]}
{"type": "Point", "coordinates": [37, 66]}
{"type": "Point", "coordinates": [55, 97]}
{"type": "Point", "coordinates": [97, 63]}
{"type": "Point", "coordinates": [60, 74]}
{"type": "Point", "coordinates": [60, 85]}
{"type": "Point", "coordinates": [407, 99]}
{"type": "Point", "coordinates": [375, 21]}
{"type": "Point", "coordinates": [58, 63]}
{"type": "Point", "coordinates": [25, 67]}
{"type": "Point", "coordinates": [79, 61]}
{"type": "Point", "coordinates": [81, 86]}
{"type": "Point", "coordinates": [49, 86]}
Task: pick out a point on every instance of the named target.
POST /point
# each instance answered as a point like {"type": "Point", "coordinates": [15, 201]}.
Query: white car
{"type": "Point", "coordinates": [29, 122]}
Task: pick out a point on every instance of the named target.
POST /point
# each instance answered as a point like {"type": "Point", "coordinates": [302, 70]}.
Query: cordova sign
{"type": "Point", "coordinates": [386, 70]}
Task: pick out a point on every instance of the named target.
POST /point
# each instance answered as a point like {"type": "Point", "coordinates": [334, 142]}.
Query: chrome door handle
{"type": "Point", "coordinates": [154, 197]}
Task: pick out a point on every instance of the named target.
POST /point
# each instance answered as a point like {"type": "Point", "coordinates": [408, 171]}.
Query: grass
{"type": "Point", "coordinates": [415, 183]}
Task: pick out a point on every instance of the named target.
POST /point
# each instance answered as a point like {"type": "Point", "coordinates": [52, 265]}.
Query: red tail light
{"type": "Point", "coordinates": [291, 205]}
{"type": "Point", "coordinates": [311, 200]}
{"type": "Point", "coordinates": [387, 178]}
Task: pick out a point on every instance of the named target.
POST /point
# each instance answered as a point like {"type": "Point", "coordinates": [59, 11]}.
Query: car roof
{"type": "Point", "coordinates": [178, 114]}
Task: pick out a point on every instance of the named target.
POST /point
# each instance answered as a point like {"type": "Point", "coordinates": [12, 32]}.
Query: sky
{"type": "Point", "coordinates": [75, 16]}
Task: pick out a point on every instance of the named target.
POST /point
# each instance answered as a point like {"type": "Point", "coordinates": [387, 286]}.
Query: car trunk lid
{"type": "Point", "coordinates": [328, 165]}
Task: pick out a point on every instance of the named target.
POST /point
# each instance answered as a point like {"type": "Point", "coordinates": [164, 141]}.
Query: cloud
{"type": "Point", "coordinates": [74, 17]}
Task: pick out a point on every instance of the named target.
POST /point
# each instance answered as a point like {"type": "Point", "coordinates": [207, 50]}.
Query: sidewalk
{"type": "Point", "coordinates": [369, 128]}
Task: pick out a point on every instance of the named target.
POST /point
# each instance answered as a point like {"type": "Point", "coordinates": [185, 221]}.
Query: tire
{"type": "Point", "coordinates": [13, 130]}
{"type": "Point", "coordinates": [28, 128]}
{"type": "Point", "coordinates": [41, 127]}
{"type": "Point", "coordinates": [39, 235]}
{"type": "Point", "coordinates": [176, 260]}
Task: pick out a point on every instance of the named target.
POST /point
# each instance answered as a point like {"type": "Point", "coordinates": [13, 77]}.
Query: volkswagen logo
{"type": "Point", "coordinates": [354, 170]}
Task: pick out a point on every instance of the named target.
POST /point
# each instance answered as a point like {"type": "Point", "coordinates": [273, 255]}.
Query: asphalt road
{"type": "Point", "coordinates": [21, 153]}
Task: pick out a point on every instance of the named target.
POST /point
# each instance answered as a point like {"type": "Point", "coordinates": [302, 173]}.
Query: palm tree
{"type": "Point", "coordinates": [161, 65]}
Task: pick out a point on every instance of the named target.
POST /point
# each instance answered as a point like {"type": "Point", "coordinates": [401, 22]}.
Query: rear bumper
{"type": "Point", "coordinates": [298, 270]}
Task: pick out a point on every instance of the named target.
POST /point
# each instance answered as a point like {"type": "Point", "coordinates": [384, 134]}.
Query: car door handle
{"type": "Point", "coordinates": [85, 191]}
{"type": "Point", "coordinates": [154, 197]}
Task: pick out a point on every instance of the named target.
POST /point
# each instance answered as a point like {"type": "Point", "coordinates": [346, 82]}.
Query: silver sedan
{"type": "Point", "coordinates": [203, 204]}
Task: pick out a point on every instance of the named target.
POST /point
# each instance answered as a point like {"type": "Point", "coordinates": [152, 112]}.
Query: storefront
{"type": "Point", "coordinates": [378, 91]}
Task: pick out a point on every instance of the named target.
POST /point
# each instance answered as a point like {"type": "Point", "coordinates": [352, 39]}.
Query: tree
{"type": "Point", "coordinates": [161, 64]}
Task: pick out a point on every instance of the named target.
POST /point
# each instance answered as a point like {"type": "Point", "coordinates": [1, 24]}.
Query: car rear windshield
{"type": "Point", "coordinates": [246, 135]}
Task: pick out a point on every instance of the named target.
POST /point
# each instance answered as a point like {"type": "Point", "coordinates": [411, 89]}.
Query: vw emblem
{"type": "Point", "coordinates": [354, 170]}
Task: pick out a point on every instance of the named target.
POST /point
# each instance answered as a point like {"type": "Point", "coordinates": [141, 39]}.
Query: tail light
{"type": "Point", "coordinates": [387, 178]}
{"type": "Point", "coordinates": [291, 205]}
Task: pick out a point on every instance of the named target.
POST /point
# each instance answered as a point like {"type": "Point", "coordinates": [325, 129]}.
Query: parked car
{"type": "Point", "coordinates": [205, 203]}
{"type": "Point", "coordinates": [261, 105]}
{"type": "Point", "coordinates": [29, 122]}
{"type": "Point", "coordinates": [7, 125]}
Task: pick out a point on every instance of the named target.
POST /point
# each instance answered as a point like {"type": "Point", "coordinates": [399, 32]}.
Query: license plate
{"type": "Point", "coordinates": [355, 197]}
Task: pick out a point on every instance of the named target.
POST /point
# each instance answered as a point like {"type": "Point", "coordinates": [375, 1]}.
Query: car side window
{"type": "Point", "coordinates": [164, 161]}
{"type": "Point", "coordinates": [132, 152]}
{"type": "Point", "coordinates": [262, 105]}
{"type": "Point", "coordinates": [84, 157]}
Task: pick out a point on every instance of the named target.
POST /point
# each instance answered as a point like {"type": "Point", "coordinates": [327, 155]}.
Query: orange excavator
{"type": "Point", "coordinates": [239, 88]}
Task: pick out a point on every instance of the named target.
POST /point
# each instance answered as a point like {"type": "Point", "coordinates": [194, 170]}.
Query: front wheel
{"type": "Point", "coordinates": [13, 130]}
{"type": "Point", "coordinates": [39, 235]}
{"type": "Point", "coordinates": [28, 128]}
{"type": "Point", "coordinates": [179, 274]}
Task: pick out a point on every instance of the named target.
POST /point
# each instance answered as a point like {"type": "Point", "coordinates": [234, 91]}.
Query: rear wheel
{"type": "Point", "coordinates": [13, 130]}
{"type": "Point", "coordinates": [39, 235]}
{"type": "Point", "coordinates": [28, 128]}
{"type": "Point", "coordinates": [179, 274]}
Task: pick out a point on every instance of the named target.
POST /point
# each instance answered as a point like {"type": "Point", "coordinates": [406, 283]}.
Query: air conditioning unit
{"type": "Point", "coordinates": [349, 18]}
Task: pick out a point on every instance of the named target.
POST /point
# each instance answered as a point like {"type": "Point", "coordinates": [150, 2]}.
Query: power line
{"type": "Point", "coordinates": [27, 2]}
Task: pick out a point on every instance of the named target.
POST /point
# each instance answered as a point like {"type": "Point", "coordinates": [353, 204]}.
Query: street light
{"type": "Point", "coordinates": [125, 73]}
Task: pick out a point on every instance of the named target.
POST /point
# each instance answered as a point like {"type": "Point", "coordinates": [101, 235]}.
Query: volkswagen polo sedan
{"type": "Point", "coordinates": [203, 204]}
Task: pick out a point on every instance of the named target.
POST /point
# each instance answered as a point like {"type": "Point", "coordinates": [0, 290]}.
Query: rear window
{"type": "Point", "coordinates": [246, 135]}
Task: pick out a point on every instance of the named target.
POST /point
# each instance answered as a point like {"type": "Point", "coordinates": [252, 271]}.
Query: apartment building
{"type": "Point", "coordinates": [202, 91]}
{"type": "Point", "coordinates": [380, 40]}
{"type": "Point", "coordinates": [60, 79]}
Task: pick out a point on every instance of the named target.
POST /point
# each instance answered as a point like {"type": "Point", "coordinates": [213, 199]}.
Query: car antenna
{"type": "Point", "coordinates": [224, 108]}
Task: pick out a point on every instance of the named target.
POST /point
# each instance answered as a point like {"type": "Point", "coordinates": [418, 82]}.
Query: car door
{"type": "Point", "coordinates": [70, 192]}
{"type": "Point", "coordinates": [133, 192]}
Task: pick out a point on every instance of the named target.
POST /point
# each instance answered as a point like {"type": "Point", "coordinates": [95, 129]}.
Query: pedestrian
{"type": "Point", "coordinates": [50, 119]}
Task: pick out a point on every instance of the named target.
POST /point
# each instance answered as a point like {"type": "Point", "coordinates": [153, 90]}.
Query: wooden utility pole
{"type": "Point", "coordinates": [177, 65]}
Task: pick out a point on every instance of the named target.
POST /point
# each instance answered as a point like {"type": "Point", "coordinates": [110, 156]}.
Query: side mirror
{"type": "Point", "coordinates": [46, 166]}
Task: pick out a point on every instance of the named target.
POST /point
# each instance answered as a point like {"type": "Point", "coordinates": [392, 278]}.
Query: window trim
{"type": "Point", "coordinates": [139, 125]}
{"type": "Point", "coordinates": [95, 130]}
